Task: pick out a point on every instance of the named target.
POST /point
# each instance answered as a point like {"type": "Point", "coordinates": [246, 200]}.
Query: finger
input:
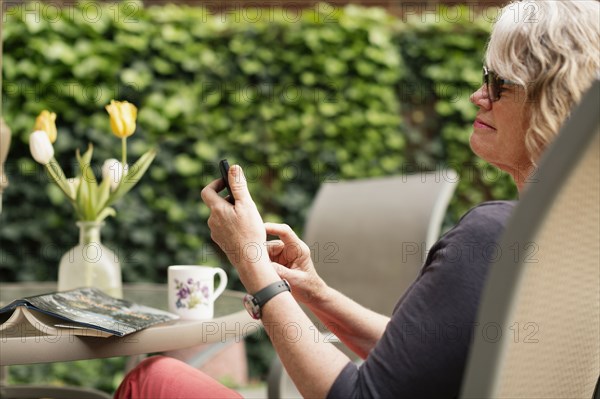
{"type": "Point", "coordinates": [275, 247]}
{"type": "Point", "coordinates": [210, 193]}
{"type": "Point", "coordinates": [238, 184]}
{"type": "Point", "coordinates": [283, 231]}
{"type": "Point", "coordinates": [217, 185]}
{"type": "Point", "coordinates": [275, 244]}
{"type": "Point", "coordinates": [281, 270]}
{"type": "Point", "coordinates": [293, 277]}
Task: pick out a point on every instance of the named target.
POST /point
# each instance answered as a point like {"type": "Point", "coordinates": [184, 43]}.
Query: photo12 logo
{"type": "Point", "coordinates": [50, 93]}
{"type": "Point", "coordinates": [57, 11]}
{"type": "Point", "coordinates": [236, 11]}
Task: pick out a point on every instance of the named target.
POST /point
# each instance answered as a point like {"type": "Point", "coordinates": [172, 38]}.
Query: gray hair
{"type": "Point", "coordinates": [552, 49]}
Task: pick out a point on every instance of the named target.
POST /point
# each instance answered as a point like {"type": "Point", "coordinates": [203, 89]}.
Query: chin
{"type": "Point", "coordinates": [479, 148]}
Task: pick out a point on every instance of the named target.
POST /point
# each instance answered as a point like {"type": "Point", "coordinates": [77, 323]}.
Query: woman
{"type": "Point", "coordinates": [541, 57]}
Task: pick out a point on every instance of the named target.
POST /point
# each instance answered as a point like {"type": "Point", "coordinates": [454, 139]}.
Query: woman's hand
{"type": "Point", "coordinates": [239, 230]}
{"type": "Point", "coordinates": [291, 259]}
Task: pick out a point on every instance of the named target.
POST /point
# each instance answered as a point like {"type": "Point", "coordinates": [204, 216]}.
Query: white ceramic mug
{"type": "Point", "coordinates": [191, 290]}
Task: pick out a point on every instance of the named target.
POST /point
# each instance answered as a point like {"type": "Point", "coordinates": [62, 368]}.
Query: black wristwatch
{"type": "Point", "coordinates": [254, 303]}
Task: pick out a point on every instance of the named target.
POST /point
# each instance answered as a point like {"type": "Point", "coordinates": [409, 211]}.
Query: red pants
{"type": "Point", "coordinates": [160, 377]}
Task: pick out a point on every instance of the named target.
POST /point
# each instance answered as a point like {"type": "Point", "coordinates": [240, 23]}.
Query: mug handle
{"type": "Point", "coordinates": [222, 283]}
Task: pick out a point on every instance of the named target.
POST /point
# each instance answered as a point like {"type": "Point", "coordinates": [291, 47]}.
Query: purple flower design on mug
{"type": "Point", "coordinates": [190, 293]}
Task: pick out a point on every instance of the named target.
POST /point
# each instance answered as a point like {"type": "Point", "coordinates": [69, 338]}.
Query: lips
{"type": "Point", "coordinates": [482, 125]}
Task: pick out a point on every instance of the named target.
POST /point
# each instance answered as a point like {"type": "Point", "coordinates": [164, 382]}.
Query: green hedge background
{"type": "Point", "coordinates": [296, 97]}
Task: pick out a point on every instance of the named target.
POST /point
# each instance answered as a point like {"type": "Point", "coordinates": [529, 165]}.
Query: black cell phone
{"type": "Point", "coordinates": [224, 168]}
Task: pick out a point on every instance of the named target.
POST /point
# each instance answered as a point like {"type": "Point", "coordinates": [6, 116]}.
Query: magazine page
{"type": "Point", "coordinates": [52, 325]}
{"type": "Point", "coordinates": [9, 319]}
{"type": "Point", "coordinates": [9, 308]}
{"type": "Point", "coordinates": [90, 307]}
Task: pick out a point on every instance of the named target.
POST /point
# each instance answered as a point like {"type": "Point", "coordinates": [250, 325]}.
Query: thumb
{"type": "Point", "coordinates": [274, 247]}
{"type": "Point", "coordinates": [237, 182]}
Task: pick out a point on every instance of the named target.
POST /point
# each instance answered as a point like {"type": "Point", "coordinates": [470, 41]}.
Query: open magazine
{"type": "Point", "coordinates": [83, 311]}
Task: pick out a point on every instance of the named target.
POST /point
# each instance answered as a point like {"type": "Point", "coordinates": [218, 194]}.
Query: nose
{"type": "Point", "coordinates": [480, 98]}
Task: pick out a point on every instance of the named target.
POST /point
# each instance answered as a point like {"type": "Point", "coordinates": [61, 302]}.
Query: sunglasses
{"type": "Point", "coordinates": [493, 84]}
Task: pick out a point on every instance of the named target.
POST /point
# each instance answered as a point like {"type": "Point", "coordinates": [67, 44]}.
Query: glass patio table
{"type": "Point", "coordinates": [18, 346]}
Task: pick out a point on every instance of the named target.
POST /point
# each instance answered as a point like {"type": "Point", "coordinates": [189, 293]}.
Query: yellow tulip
{"type": "Point", "coordinates": [46, 121]}
{"type": "Point", "coordinates": [122, 118]}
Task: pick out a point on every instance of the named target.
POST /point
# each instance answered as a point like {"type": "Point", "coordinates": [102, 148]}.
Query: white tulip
{"type": "Point", "coordinates": [41, 147]}
{"type": "Point", "coordinates": [113, 170]}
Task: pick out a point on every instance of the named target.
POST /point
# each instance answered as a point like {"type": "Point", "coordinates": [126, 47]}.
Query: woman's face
{"type": "Point", "coordinates": [499, 131]}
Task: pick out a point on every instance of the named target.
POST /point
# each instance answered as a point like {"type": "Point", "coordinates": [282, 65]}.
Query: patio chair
{"type": "Point", "coordinates": [374, 233]}
{"type": "Point", "coordinates": [538, 331]}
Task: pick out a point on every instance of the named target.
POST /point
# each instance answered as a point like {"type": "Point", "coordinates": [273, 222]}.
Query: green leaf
{"type": "Point", "coordinates": [103, 194]}
{"type": "Point", "coordinates": [58, 176]}
{"type": "Point", "coordinates": [104, 213]}
{"type": "Point", "coordinates": [86, 159]}
{"type": "Point", "coordinates": [88, 184]}
{"type": "Point", "coordinates": [134, 175]}
{"type": "Point", "coordinates": [83, 199]}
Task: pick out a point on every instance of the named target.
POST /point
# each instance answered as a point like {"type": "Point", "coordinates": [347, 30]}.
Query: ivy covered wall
{"type": "Point", "coordinates": [297, 99]}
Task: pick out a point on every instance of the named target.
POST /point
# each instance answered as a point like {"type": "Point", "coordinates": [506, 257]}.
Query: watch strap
{"type": "Point", "coordinates": [266, 294]}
